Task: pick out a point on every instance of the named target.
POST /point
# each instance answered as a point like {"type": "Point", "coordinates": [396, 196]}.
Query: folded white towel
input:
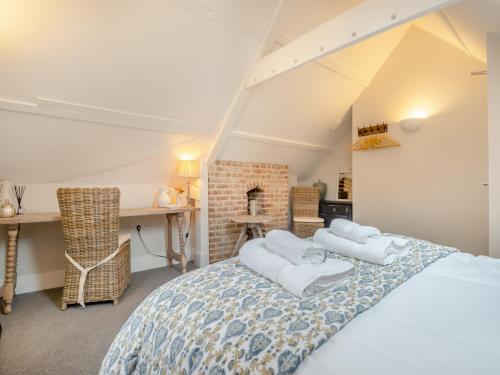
{"type": "Point", "coordinates": [302, 280]}
{"type": "Point", "coordinates": [353, 231]}
{"type": "Point", "coordinates": [380, 250]}
{"type": "Point", "coordinates": [398, 242]}
{"type": "Point", "coordinates": [306, 280]}
{"type": "Point", "coordinates": [291, 247]}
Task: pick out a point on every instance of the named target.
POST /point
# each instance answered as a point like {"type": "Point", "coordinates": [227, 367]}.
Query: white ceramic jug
{"type": "Point", "coordinates": [163, 198]}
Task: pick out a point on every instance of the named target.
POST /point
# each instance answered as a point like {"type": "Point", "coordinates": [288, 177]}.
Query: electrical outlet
{"type": "Point", "coordinates": [132, 227]}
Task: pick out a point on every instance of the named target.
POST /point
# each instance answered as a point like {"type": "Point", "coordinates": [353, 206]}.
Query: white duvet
{"type": "Point", "coordinates": [444, 320]}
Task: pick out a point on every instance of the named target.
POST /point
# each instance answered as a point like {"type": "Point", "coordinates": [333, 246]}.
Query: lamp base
{"type": "Point", "coordinates": [187, 201]}
{"type": "Point", "coordinates": [190, 202]}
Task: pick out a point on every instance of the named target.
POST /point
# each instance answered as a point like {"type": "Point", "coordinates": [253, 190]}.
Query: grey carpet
{"type": "Point", "coordinates": [39, 338]}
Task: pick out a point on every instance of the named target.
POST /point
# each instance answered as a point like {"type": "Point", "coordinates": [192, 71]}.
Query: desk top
{"type": "Point", "coordinates": [247, 219]}
{"type": "Point", "coordinates": [45, 217]}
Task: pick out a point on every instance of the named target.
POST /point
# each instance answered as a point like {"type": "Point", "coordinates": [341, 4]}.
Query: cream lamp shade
{"type": "Point", "coordinates": [189, 168]}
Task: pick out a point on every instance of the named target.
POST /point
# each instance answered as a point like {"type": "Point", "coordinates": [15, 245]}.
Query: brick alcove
{"type": "Point", "coordinates": [228, 185]}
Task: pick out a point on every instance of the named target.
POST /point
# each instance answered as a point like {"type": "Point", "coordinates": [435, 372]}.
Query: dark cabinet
{"type": "Point", "coordinates": [330, 210]}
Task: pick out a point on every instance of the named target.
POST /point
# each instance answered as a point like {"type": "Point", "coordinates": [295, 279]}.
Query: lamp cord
{"type": "Point", "coordinates": [146, 246]}
{"type": "Point", "coordinates": [139, 228]}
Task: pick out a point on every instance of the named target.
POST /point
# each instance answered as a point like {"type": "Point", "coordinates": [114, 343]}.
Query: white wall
{"type": "Point", "coordinates": [431, 186]}
{"type": "Point", "coordinates": [341, 159]}
{"type": "Point", "coordinates": [41, 245]}
{"type": "Point", "coordinates": [494, 141]}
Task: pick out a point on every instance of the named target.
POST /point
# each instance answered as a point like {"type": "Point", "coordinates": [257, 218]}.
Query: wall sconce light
{"type": "Point", "coordinates": [414, 122]}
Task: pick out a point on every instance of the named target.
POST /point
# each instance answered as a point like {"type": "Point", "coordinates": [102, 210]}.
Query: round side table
{"type": "Point", "coordinates": [254, 223]}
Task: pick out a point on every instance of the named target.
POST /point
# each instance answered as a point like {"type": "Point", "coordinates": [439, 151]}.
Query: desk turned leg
{"type": "Point", "coordinates": [180, 230]}
{"type": "Point", "coordinates": [10, 268]}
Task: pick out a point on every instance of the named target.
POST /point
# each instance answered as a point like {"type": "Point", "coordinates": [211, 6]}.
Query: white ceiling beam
{"type": "Point", "coordinates": [455, 32]}
{"type": "Point", "coordinates": [223, 133]}
{"type": "Point", "coordinates": [239, 101]}
{"type": "Point", "coordinates": [100, 115]}
{"type": "Point", "coordinates": [200, 8]}
{"type": "Point", "coordinates": [342, 70]}
{"type": "Point", "coordinates": [331, 64]}
{"type": "Point", "coordinates": [261, 138]}
{"type": "Point", "coordinates": [367, 19]}
{"type": "Point", "coordinates": [231, 118]}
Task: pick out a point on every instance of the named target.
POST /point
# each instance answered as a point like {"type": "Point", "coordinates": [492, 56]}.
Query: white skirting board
{"type": "Point", "coordinates": [55, 279]}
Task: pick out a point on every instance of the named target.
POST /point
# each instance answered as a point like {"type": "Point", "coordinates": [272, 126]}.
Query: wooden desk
{"type": "Point", "coordinates": [14, 227]}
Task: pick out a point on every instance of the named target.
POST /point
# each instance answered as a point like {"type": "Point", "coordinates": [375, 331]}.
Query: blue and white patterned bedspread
{"type": "Point", "coordinates": [225, 319]}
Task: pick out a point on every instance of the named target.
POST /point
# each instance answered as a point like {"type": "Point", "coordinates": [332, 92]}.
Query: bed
{"type": "Point", "coordinates": [435, 311]}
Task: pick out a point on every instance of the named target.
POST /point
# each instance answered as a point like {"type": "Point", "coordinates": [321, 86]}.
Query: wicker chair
{"type": "Point", "coordinates": [305, 209]}
{"type": "Point", "coordinates": [90, 219]}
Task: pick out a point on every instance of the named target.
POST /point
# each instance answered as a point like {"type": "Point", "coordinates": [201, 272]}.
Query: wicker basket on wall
{"type": "Point", "coordinates": [91, 222]}
{"type": "Point", "coordinates": [305, 211]}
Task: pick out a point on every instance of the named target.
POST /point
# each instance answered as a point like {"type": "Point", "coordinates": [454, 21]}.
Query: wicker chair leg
{"type": "Point", "coordinates": [115, 302]}
{"type": "Point", "coordinates": [63, 306]}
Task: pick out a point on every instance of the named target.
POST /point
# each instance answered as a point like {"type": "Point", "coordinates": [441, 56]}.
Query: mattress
{"type": "Point", "coordinates": [227, 319]}
{"type": "Point", "coordinates": [444, 320]}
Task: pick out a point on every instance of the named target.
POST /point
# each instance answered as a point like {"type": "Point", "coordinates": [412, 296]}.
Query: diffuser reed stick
{"type": "Point", "coordinates": [19, 193]}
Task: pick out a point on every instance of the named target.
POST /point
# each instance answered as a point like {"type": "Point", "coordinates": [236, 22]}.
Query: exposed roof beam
{"type": "Point", "coordinates": [455, 33]}
{"type": "Point", "coordinates": [367, 19]}
{"type": "Point", "coordinates": [223, 133]}
{"type": "Point", "coordinates": [100, 115]}
{"type": "Point", "coordinates": [200, 8]}
{"type": "Point", "coordinates": [331, 64]}
{"type": "Point", "coordinates": [261, 138]}
{"type": "Point", "coordinates": [239, 101]}
{"type": "Point", "coordinates": [344, 71]}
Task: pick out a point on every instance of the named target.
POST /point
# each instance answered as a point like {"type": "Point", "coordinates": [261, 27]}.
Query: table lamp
{"type": "Point", "coordinates": [189, 169]}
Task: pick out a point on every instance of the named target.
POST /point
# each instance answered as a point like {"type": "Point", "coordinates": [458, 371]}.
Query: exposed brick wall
{"type": "Point", "coordinates": [228, 184]}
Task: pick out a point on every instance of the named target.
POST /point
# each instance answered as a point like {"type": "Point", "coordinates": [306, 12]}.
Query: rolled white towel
{"type": "Point", "coordinates": [301, 280]}
{"type": "Point", "coordinates": [289, 246]}
{"type": "Point", "coordinates": [353, 231]}
{"type": "Point", "coordinates": [379, 251]}
{"type": "Point", "coordinates": [255, 255]}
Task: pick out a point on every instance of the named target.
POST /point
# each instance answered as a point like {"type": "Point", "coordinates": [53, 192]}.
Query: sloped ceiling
{"type": "Point", "coordinates": [304, 104]}
{"type": "Point", "coordinates": [465, 25]}
{"type": "Point", "coordinates": [298, 16]}
{"type": "Point", "coordinates": [110, 87]}
{"type": "Point", "coordinates": [151, 63]}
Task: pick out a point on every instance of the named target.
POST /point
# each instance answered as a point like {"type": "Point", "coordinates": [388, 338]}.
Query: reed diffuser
{"type": "Point", "coordinates": [19, 192]}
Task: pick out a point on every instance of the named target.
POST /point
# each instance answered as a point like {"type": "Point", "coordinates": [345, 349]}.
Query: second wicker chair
{"type": "Point", "coordinates": [305, 210]}
{"type": "Point", "coordinates": [97, 261]}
